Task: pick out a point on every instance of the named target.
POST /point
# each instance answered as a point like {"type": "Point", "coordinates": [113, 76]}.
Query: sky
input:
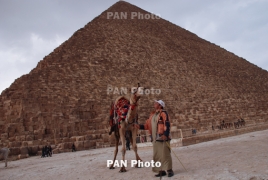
{"type": "Point", "coordinates": [31, 29]}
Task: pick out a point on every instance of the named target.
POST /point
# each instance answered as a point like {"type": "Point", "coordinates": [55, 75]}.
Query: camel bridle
{"type": "Point", "coordinates": [134, 105]}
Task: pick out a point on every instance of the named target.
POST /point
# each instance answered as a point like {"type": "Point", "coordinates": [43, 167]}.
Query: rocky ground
{"type": "Point", "coordinates": [240, 157]}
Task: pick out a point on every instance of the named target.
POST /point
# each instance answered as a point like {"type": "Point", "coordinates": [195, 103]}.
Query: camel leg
{"type": "Point", "coordinates": [123, 140]}
{"type": "Point", "coordinates": [6, 162]}
{"type": "Point", "coordinates": [134, 144]}
{"type": "Point", "coordinates": [135, 148]}
{"type": "Point", "coordinates": [115, 152]}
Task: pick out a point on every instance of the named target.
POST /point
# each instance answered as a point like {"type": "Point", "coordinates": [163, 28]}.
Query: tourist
{"type": "Point", "coordinates": [46, 151]}
{"type": "Point", "coordinates": [238, 122]}
{"type": "Point", "coordinates": [49, 151]}
{"type": "Point", "coordinates": [43, 152]}
{"type": "Point", "coordinates": [73, 148]}
{"type": "Point", "coordinates": [159, 127]}
{"type": "Point", "coordinates": [243, 122]}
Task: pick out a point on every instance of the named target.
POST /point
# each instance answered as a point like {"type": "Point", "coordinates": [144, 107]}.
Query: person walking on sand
{"type": "Point", "coordinates": [159, 127]}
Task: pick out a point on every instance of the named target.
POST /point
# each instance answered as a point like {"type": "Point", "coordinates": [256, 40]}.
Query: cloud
{"type": "Point", "coordinates": [18, 60]}
{"type": "Point", "coordinates": [41, 45]}
{"type": "Point", "coordinates": [238, 26]}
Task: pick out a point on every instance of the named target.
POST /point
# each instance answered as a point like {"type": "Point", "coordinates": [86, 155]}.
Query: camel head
{"type": "Point", "coordinates": [136, 93]}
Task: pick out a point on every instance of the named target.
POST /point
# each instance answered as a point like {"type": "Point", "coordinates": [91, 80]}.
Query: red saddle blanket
{"type": "Point", "coordinates": [119, 110]}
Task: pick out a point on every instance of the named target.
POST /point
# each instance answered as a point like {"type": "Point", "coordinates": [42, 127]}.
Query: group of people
{"type": "Point", "coordinates": [225, 125]}
{"type": "Point", "coordinates": [240, 122]}
{"type": "Point", "coordinates": [46, 151]}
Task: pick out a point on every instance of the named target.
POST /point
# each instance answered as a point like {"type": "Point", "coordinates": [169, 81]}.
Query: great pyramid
{"type": "Point", "coordinates": [66, 98]}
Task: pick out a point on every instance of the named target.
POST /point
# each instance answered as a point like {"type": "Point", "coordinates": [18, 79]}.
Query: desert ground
{"type": "Point", "coordinates": [240, 157]}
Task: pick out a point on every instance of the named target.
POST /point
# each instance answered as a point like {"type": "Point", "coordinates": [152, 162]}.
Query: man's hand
{"type": "Point", "coordinates": [164, 138]}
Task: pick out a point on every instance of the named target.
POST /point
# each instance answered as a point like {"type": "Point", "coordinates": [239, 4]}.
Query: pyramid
{"type": "Point", "coordinates": [66, 98]}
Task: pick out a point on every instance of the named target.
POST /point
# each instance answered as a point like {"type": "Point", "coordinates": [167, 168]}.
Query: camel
{"type": "Point", "coordinates": [4, 152]}
{"type": "Point", "coordinates": [127, 125]}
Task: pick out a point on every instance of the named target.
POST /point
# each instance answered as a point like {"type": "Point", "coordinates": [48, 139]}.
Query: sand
{"type": "Point", "coordinates": [240, 157]}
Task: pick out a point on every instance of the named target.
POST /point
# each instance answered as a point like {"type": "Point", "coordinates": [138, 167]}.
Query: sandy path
{"type": "Point", "coordinates": [240, 157]}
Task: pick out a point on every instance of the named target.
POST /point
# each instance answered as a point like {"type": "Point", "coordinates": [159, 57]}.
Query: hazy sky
{"type": "Point", "coordinates": [31, 29]}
